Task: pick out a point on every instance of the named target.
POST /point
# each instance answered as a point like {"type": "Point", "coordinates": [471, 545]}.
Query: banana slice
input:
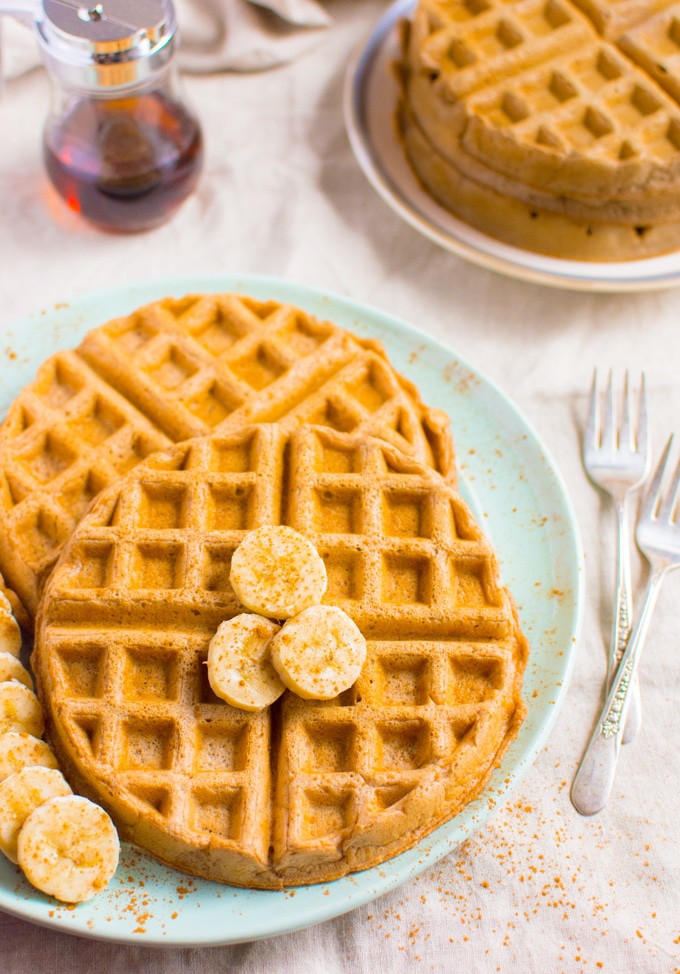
{"type": "Point", "coordinates": [277, 572]}
{"type": "Point", "coordinates": [319, 653]}
{"type": "Point", "coordinates": [20, 794]}
{"type": "Point", "coordinates": [239, 667]}
{"type": "Point", "coordinates": [20, 709]}
{"type": "Point", "coordinates": [10, 634]}
{"type": "Point", "coordinates": [69, 848]}
{"type": "Point", "coordinates": [11, 669]}
{"type": "Point", "coordinates": [23, 751]}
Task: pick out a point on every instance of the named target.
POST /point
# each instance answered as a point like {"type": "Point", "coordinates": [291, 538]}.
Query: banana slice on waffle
{"type": "Point", "coordinates": [277, 572]}
{"type": "Point", "coordinates": [20, 794]}
{"type": "Point", "coordinates": [239, 665]}
{"type": "Point", "coordinates": [20, 709]}
{"type": "Point", "coordinates": [22, 750]}
{"type": "Point", "coordinates": [319, 653]}
{"type": "Point", "coordinates": [68, 847]}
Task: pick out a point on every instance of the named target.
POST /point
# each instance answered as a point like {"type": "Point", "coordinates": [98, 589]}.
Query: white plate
{"type": "Point", "coordinates": [370, 103]}
{"type": "Point", "coordinates": [531, 524]}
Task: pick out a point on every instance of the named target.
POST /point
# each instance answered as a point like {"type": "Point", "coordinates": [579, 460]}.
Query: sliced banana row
{"type": "Point", "coordinates": [319, 650]}
{"type": "Point", "coordinates": [66, 845]}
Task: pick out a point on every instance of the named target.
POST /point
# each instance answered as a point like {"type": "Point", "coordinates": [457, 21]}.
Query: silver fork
{"type": "Point", "coordinates": [658, 538]}
{"type": "Point", "coordinates": [616, 459]}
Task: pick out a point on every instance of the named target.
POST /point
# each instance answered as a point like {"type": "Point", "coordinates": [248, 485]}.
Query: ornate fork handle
{"type": "Point", "coordinates": [595, 776]}
{"type": "Point", "coordinates": [622, 620]}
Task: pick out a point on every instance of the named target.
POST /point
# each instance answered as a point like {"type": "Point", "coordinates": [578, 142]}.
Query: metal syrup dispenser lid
{"type": "Point", "coordinates": [106, 44]}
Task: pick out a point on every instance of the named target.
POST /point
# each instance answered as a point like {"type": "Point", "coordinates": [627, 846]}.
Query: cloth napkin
{"type": "Point", "coordinates": [216, 35]}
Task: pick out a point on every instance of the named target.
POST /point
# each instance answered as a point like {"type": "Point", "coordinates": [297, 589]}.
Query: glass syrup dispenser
{"type": "Point", "coordinates": [120, 144]}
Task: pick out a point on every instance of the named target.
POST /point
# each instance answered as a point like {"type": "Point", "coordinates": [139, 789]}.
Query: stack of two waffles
{"type": "Point", "coordinates": [119, 545]}
{"type": "Point", "coordinates": [550, 124]}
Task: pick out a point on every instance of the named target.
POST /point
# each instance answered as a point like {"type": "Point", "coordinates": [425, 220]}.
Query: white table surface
{"type": "Point", "coordinates": [539, 889]}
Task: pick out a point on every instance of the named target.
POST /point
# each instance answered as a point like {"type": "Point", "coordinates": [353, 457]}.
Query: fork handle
{"type": "Point", "coordinates": [595, 776]}
{"type": "Point", "coordinates": [623, 614]}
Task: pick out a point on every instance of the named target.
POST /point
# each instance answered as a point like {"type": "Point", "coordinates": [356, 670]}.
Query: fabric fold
{"type": "Point", "coordinates": [215, 35]}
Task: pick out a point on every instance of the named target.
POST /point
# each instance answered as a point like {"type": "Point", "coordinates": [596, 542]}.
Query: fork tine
{"type": "Point", "coordinates": [608, 431]}
{"type": "Point", "coordinates": [653, 492]}
{"type": "Point", "coordinates": [642, 439]}
{"type": "Point", "coordinates": [624, 432]}
{"type": "Point", "coordinates": [669, 503]}
{"type": "Point", "coordinates": [592, 432]}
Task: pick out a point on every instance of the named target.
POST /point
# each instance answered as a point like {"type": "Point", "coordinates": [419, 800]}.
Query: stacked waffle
{"type": "Point", "coordinates": [312, 429]}
{"type": "Point", "coordinates": [550, 124]}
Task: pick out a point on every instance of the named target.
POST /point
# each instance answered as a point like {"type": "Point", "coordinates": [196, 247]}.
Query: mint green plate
{"type": "Point", "coordinates": [516, 492]}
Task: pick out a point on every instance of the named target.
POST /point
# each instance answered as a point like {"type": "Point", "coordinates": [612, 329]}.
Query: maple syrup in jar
{"type": "Point", "coordinates": [124, 163]}
{"type": "Point", "coordinates": [120, 144]}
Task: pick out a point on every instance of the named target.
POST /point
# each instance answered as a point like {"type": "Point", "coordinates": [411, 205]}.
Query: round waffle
{"type": "Point", "coordinates": [554, 125]}
{"type": "Point", "coordinates": [175, 369]}
{"type": "Point", "coordinates": [304, 791]}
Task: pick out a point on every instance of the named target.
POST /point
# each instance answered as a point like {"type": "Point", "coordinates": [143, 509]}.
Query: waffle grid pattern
{"type": "Point", "coordinates": [572, 107]}
{"type": "Point", "coordinates": [175, 370]}
{"type": "Point", "coordinates": [130, 610]}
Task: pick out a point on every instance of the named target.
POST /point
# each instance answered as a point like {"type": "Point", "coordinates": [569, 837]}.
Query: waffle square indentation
{"type": "Point", "coordinates": [162, 506]}
{"type": "Point", "coordinates": [221, 746]}
{"type": "Point", "coordinates": [135, 336]}
{"type": "Point", "coordinates": [81, 669]}
{"type": "Point", "coordinates": [337, 415]}
{"type": "Point", "coordinates": [219, 334]}
{"type": "Point", "coordinates": [158, 566]}
{"type": "Point", "coordinates": [406, 514]}
{"type": "Point", "coordinates": [407, 580]}
{"type": "Point", "coordinates": [98, 424]}
{"type": "Point", "coordinates": [404, 680]}
{"type": "Point", "coordinates": [96, 565]}
{"type": "Point", "coordinates": [372, 387]}
{"type": "Point", "coordinates": [345, 574]}
{"type": "Point", "coordinates": [218, 811]}
{"type": "Point", "coordinates": [213, 405]}
{"type": "Point", "coordinates": [50, 457]}
{"type": "Point", "coordinates": [217, 568]}
{"type": "Point", "coordinates": [77, 496]}
{"type": "Point", "coordinates": [173, 369]}
{"type": "Point", "coordinates": [337, 510]}
{"type": "Point", "coordinates": [86, 732]}
{"type": "Point", "coordinates": [151, 674]}
{"type": "Point", "coordinates": [230, 457]}
{"type": "Point", "coordinates": [43, 533]}
{"type": "Point", "coordinates": [130, 449]}
{"type": "Point", "coordinates": [332, 459]}
{"type": "Point", "coordinates": [156, 798]}
{"type": "Point", "coordinates": [329, 747]}
{"type": "Point", "coordinates": [230, 507]}
{"type": "Point", "coordinates": [302, 336]}
{"type": "Point", "coordinates": [468, 577]}
{"type": "Point", "coordinates": [148, 744]}
{"type": "Point", "coordinates": [259, 369]}
{"type": "Point", "coordinates": [60, 385]}
{"type": "Point", "coordinates": [473, 679]}
{"type": "Point", "coordinates": [325, 811]}
{"type": "Point", "coordinates": [403, 745]}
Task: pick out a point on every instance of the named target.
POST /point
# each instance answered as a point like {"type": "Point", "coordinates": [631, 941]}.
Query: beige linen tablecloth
{"type": "Point", "coordinates": [539, 889]}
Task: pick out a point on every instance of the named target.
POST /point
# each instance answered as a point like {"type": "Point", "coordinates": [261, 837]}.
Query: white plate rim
{"type": "Point", "coordinates": [410, 201]}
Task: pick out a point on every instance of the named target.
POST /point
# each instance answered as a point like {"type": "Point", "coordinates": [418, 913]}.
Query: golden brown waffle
{"type": "Point", "coordinates": [173, 370]}
{"type": "Point", "coordinates": [526, 101]}
{"type": "Point", "coordinates": [307, 790]}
